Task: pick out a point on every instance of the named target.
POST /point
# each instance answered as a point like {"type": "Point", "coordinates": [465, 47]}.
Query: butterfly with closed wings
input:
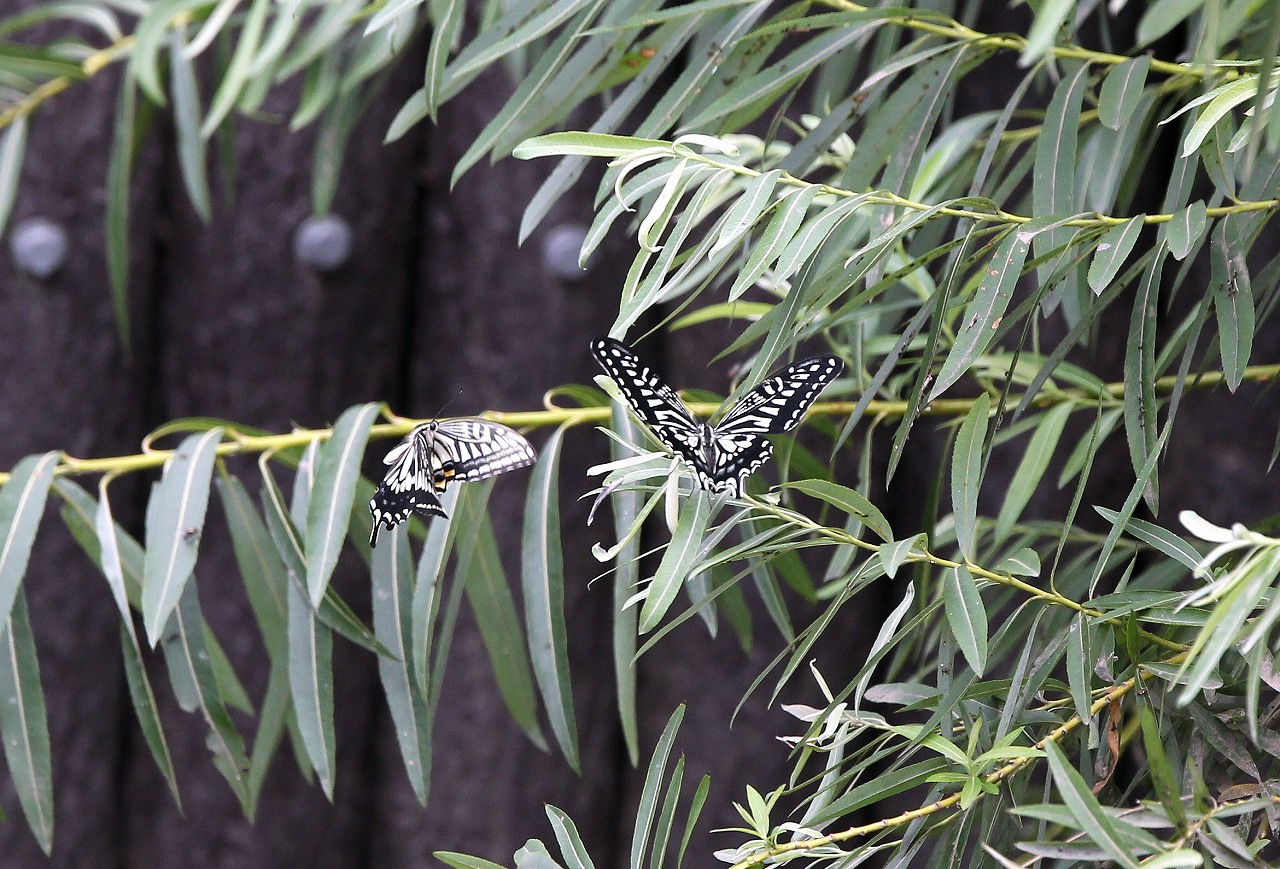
{"type": "Point", "coordinates": [436, 453]}
{"type": "Point", "coordinates": [725, 454]}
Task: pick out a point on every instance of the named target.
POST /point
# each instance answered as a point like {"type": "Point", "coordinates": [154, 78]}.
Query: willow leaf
{"type": "Point", "coordinates": [542, 577]}
{"type": "Point", "coordinates": [24, 725]}
{"type": "Point", "coordinates": [329, 510]}
{"type": "Point", "coordinates": [175, 522]}
{"type": "Point", "coordinates": [311, 681]}
{"type": "Point", "coordinates": [392, 599]}
{"type": "Point", "coordinates": [22, 503]}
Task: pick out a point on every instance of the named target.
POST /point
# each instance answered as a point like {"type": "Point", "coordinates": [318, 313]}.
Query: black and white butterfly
{"type": "Point", "coordinates": [435, 453]}
{"type": "Point", "coordinates": [725, 454]}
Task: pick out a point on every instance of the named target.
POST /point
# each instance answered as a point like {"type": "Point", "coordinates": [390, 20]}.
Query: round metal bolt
{"type": "Point", "coordinates": [323, 243]}
{"type": "Point", "coordinates": [561, 247]}
{"type": "Point", "coordinates": [39, 246]}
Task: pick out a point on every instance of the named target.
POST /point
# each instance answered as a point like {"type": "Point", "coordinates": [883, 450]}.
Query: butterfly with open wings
{"type": "Point", "coordinates": [725, 454]}
{"type": "Point", "coordinates": [436, 453]}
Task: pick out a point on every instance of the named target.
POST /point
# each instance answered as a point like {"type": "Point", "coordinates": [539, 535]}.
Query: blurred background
{"type": "Point", "coordinates": [432, 307]}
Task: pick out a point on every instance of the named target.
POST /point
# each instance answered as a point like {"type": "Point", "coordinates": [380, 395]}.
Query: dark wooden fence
{"type": "Point", "coordinates": [436, 306]}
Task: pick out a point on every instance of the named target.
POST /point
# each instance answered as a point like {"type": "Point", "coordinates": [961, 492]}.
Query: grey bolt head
{"type": "Point", "coordinates": [323, 243]}
{"type": "Point", "coordinates": [561, 248]}
{"type": "Point", "coordinates": [39, 246]}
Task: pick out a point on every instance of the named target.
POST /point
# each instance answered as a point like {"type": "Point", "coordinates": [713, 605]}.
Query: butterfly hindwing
{"type": "Point", "coordinates": [724, 455]}
{"type": "Point", "coordinates": [406, 489]}
{"type": "Point", "coordinates": [777, 404]}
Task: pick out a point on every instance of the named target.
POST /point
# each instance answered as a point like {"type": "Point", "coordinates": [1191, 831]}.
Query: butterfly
{"type": "Point", "coordinates": [435, 453]}
{"type": "Point", "coordinates": [725, 454]}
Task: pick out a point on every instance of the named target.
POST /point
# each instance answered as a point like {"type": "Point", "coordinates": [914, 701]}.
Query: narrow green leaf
{"type": "Point", "coordinates": [691, 822]}
{"type": "Point", "coordinates": [585, 145]}
{"type": "Point", "coordinates": [465, 861]}
{"type": "Point", "coordinates": [145, 709]}
{"type": "Point", "coordinates": [329, 510]}
{"type": "Point", "coordinates": [881, 787]}
{"type": "Point", "coordinates": [666, 816]}
{"type": "Point", "coordinates": [1054, 184]}
{"type": "Point", "coordinates": [334, 611]}
{"type": "Point", "coordinates": [1234, 306]}
{"type": "Point", "coordinates": [851, 501]}
{"type": "Point", "coordinates": [966, 473]}
{"type": "Point", "coordinates": [271, 724]}
{"type": "Point", "coordinates": [1084, 807]}
{"type": "Point", "coordinates": [981, 316]}
{"type": "Point", "coordinates": [119, 185]}
{"type": "Point", "coordinates": [175, 521]}
{"type": "Point", "coordinates": [894, 553]}
{"type": "Point", "coordinates": [746, 210]}
{"type": "Point", "coordinates": [1049, 19]}
{"type": "Point", "coordinates": [570, 842]}
{"type": "Point", "coordinates": [1221, 630]}
{"type": "Point", "coordinates": [1026, 479]}
{"type": "Point", "coordinates": [1112, 251]}
{"type": "Point", "coordinates": [883, 643]}
{"type": "Point", "coordinates": [679, 559]}
{"type": "Point", "coordinates": [447, 19]}
{"type": "Point", "coordinates": [196, 686]}
{"type": "Point", "coordinates": [1162, 16]}
{"type": "Point", "coordinates": [22, 503]}
{"type": "Point", "coordinates": [481, 570]}
{"type": "Point", "coordinates": [261, 569]}
{"type": "Point", "coordinates": [1080, 646]}
{"type": "Point", "coordinates": [392, 598]}
{"type": "Point", "coordinates": [23, 723]}
{"type": "Point", "coordinates": [542, 577]}
{"type": "Point", "coordinates": [966, 615]}
{"type": "Point", "coordinates": [426, 592]}
{"type": "Point", "coordinates": [647, 811]}
{"type": "Point", "coordinates": [1185, 229]}
{"type": "Point", "coordinates": [311, 681]}
{"type": "Point", "coordinates": [186, 120]}
{"type": "Point", "coordinates": [626, 574]}
{"type": "Point", "coordinates": [13, 150]}
{"type": "Point", "coordinates": [776, 237]}
{"type": "Point", "coordinates": [1161, 538]}
{"type": "Point", "coordinates": [1163, 777]}
{"type": "Point", "coordinates": [1121, 91]}
{"type": "Point", "coordinates": [236, 75]}
{"type": "Point", "coordinates": [1024, 562]}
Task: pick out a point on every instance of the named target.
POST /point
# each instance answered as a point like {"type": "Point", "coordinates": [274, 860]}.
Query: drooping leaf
{"type": "Point", "coordinates": [966, 615]}
{"type": "Point", "coordinates": [392, 599]}
{"type": "Point", "coordinates": [311, 681]}
{"type": "Point", "coordinates": [22, 503]}
{"type": "Point", "coordinates": [175, 522]}
{"type": "Point", "coordinates": [329, 509]}
{"type": "Point", "coordinates": [678, 560]}
{"type": "Point", "coordinates": [966, 472]}
{"type": "Point", "coordinates": [542, 579]}
{"type": "Point", "coordinates": [23, 723]}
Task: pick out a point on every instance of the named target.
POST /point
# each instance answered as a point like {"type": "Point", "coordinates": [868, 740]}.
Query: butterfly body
{"type": "Point", "coordinates": [435, 454]}
{"type": "Point", "coordinates": [725, 454]}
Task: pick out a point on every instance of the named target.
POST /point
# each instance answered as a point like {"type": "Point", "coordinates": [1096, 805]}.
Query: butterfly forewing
{"type": "Point", "coordinates": [778, 403]}
{"type": "Point", "coordinates": [655, 403]}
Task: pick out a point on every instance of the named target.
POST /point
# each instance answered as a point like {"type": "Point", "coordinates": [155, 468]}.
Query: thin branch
{"type": "Point", "coordinates": [999, 775]}
{"type": "Point", "coordinates": [240, 443]}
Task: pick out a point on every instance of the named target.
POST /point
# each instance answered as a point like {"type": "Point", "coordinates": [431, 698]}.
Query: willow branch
{"type": "Point", "coordinates": [241, 443]}
{"type": "Point", "coordinates": [995, 777]}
